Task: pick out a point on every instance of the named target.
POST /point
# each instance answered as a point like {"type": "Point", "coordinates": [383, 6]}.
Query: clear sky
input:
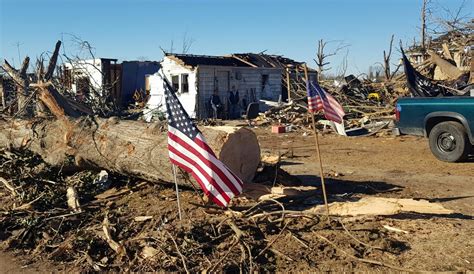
{"type": "Point", "coordinates": [135, 29]}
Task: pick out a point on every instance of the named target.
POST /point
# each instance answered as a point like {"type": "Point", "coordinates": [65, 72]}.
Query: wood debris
{"type": "Point", "coordinates": [381, 206]}
{"type": "Point", "coordinates": [394, 229]}
{"type": "Point", "coordinates": [117, 247]}
{"type": "Point", "coordinates": [73, 199]}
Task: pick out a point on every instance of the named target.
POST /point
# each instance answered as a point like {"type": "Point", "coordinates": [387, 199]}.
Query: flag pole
{"type": "Point", "coordinates": [177, 191]}
{"type": "Point", "coordinates": [318, 151]}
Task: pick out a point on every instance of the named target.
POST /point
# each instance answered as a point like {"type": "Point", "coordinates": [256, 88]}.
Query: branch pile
{"type": "Point", "coordinates": [128, 225]}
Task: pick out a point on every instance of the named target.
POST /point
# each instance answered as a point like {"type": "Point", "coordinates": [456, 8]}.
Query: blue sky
{"type": "Point", "coordinates": [135, 29]}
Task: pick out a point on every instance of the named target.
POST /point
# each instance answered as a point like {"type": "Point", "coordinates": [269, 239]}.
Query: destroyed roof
{"type": "Point", "coordinates": [265, 60]}
{"type": "Point", "coordinates": [255, 60]}
{"type": "Point", "coordinates": [196, 60]}
{"type": "Point", "coordinates": [268, 61]}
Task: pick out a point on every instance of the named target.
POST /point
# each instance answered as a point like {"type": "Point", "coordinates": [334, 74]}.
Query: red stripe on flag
{"type": "Point", "coordinates": [212, 181]}
{"type": "Point", "coordinates": [201, 171]}
{"type": "Point", "coordinates": [205, 146]}
{"type": "Point", "coordinates": [314, 104]}
{"type": "Point", "coordinates": [200, 182]}
{"type": "Point", "coordinates": [206, 161]}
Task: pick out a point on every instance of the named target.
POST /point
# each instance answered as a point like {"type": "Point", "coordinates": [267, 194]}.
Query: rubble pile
{"type": "Point", "coordinates": [293, 113]}
{"type": "Point", "coordinates": [120, 223]}
{"type": "Point", "coordinates": [364, 103]}
{"type": "Point", "coordinates": [446, 60]}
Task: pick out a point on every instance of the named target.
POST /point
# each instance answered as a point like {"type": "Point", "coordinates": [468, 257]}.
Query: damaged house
{"type": "Point", "coordinates": [197, 79]}
{"type": "Point", "coordinates": [105, 77]}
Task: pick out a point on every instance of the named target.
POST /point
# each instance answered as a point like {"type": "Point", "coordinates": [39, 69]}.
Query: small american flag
{"type": "Point", "coordinates": [318, 99]}
{"type": "Point", "coordinates": [189, 150]}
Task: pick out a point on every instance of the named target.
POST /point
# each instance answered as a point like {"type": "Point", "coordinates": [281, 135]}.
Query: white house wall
{"type": "Point", "coordinates": [188, 99]}
{"type": "Point", "coordinates": [89, 68]}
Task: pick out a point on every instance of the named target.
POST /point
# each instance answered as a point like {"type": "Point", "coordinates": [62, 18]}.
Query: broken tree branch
{"type": "Point", "coordinates": [8, 186]}
{"type": "Point", "coordinates": [183, 260]}
{"type": "Point", "coordinates": [52, 62]}
{"type": "Point", "coordinates": [118, 248]}
{"type": "Point", "coordinates": [21, 80]}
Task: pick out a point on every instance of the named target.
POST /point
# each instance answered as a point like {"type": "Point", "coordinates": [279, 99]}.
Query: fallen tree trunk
{"type": "Point", "coordinates": [132, 148]}
{"type": "Point", "coordinates": [128, 147]}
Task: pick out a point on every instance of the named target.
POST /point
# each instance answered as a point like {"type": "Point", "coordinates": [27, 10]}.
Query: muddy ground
{"type": "Point", "coordinates": [47, 237]}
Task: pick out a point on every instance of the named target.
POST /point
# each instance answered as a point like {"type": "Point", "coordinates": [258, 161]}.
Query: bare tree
{"type": "Point", "coordinates": [171, 46]}
{"type": "Point", "coordinates": [374, 72]}
{"type": "Point", "coordinates": [453, 20]}
{"type": "Point", "coordinates": [386, 62]}
{"type": "Point", "coordinates": [424, 10]}
{"type": "Point", "coordinates": [187, 43]}
{"type": "Point", "coordinates": [18, 44]}
{"type": "Point", "coordinates": [342, 68]}
{"type": "Point", "coordinates": [323, 54]}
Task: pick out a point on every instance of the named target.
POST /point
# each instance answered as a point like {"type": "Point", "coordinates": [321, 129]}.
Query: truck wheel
{"type": "Point", "coordinates": [449, 142]}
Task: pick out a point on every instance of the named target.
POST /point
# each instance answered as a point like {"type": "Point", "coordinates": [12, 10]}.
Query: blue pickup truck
{"type": "Point", "coordinates": [448, 122]}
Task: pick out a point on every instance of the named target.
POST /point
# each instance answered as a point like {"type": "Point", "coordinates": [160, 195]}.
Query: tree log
{"type": "Point", "coordinates": [132, 148]}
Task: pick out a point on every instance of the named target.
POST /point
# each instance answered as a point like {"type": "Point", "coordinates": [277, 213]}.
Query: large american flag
{"type": "Point", "coordinates": [318, 99]}
{"type": "Point", "coordinates": [189, 150]}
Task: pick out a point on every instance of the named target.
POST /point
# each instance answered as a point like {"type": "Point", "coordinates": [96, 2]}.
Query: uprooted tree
{"type": "Point", "coordinates": [132, 148]}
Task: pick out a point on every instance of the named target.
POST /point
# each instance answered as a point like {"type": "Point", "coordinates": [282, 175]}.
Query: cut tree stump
{"type": "Point", "coordinates": [131, 148]}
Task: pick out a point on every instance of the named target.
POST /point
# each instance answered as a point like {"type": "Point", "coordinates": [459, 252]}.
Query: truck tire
{"type": "Point", "coordinates": [449, 142]}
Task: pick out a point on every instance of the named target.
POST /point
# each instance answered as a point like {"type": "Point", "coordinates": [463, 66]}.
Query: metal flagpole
{"type": "Point", "coordinates": [318, 152]}
{"type": "Point", "coordinates": [177, 191]}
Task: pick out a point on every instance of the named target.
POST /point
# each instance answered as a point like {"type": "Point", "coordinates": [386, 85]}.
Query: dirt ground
{"type": "Point", "coordinates": [436, 243]}
{"type": "Point", "coordinates": [401, 167]}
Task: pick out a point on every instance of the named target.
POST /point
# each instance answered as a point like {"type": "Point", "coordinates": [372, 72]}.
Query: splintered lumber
{"type": "Point", "coordinates": [133, 148]}
{"type": "Point", "coordinates": [381, 206]}
{"type": "Point", "coordinates": [450, 70]}
{"type": "Point", "coordinates": [55, 101]}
